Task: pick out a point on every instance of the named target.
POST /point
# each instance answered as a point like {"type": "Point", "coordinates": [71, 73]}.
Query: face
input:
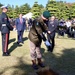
{"type": "Point", "coordinates": [20, 16]}
{"type": "Point", "coordinates": [52, 18]}
{"type": "Point", "coordinates": [5, 9]}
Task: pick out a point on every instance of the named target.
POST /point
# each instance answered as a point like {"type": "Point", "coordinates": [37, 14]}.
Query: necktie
{"type": "Point", "coordinates": [20, 20]}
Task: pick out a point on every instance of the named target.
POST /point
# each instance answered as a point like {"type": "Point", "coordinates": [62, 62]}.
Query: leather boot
{"type": "Point", "coordinates": [34, 65]}
{"type": "Point", "coordinates": [40, 63]}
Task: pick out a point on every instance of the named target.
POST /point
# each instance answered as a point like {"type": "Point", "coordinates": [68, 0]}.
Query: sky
{"type": "Point", "coordinates": [30, 2]}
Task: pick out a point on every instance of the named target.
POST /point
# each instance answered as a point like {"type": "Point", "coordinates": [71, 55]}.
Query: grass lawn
{"type": "Point", "coordinates": [62, 60]}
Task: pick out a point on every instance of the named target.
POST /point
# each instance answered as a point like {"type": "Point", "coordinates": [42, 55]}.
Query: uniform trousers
{"type": "Point", "coordinates": [5, 41]}
{"type": "Point", "coordinates": [34, 51]}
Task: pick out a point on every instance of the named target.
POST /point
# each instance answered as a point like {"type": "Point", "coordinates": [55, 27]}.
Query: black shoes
{"type": "Point", "coordinates": [18, 43]}
{"type": "Point", "coordinates": [6, 54]}
{"type": "Point", "coordinates": [35, 67]}
{"type": "Point", "coordinates": [41, 65]}
{"type": "Point", "coordinates": [50, 49]}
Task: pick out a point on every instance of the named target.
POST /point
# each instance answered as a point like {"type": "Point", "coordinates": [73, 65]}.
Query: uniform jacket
{"type": "Point", "coordinates": [20, 26]}
{"type": "Point", "coordinates": [52, 26]}
{"type": "Point", "coordinates": [37, 29]}
{"type": "Point", "coordinates": [5, 24]}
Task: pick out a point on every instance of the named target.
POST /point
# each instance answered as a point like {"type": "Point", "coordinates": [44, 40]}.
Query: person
{"type": "Point", "coordinates": [5, 30]}
{"type": "Point", "coordinates": [73, 28]}
{"type": "Point", "coordinates": [61, 27]}
{"type": "Point", "coordinates": [20, 26]}
{"type": "Point", "coordinates": [52, 26]}
{"type": "Point", "coordinates": [68, 25]}
{"type": "Point", "coordinates": [73, 21]}
{"type": "Point", "coordinates": [30, 23]}
{"type": "Point", "coordinates": [35, 36]}
{"type": "Point", "coordinates": [27, 25]}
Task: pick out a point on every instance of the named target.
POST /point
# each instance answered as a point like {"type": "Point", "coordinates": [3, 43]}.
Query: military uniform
{"type": "Point", "coordinates": [35, 37]}
{"type": "Point", "coordinates": [36, 32]}
{"type": "Point", "coordinates": [5, 30]}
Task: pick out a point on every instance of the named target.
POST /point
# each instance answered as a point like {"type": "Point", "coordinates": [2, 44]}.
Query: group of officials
{"type": "Point", "coordinates": [36, 34]}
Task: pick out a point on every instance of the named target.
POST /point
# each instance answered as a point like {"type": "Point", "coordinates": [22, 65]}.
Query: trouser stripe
{"type": "Point", "coordinates": [6, 42]}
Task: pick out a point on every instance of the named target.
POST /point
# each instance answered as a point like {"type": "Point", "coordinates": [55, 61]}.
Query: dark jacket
{"type": "Point", "coordinates": [5, 24]}
{"type": "Point", "coordinates": [30, 22]}
{"type": "Point", "coordinates": [36, 31]}
{"type": "Point", "coordinates": [52, 26]}
{"type": "Point", "coordinates": [20, 26]}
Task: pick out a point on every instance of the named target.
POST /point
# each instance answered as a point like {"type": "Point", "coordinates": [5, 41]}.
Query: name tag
{"type": "Point", "coordinates": [3, 24]}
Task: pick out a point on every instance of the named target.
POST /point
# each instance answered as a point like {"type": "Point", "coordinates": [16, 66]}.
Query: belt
{"type": "Point", "coordinates": [3, 24]}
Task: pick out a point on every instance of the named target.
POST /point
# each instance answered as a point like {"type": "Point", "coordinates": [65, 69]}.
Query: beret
{"type": "Point", "coordinates": [4, 7]}
{"type": "Point", "coordinates": [46, 14]}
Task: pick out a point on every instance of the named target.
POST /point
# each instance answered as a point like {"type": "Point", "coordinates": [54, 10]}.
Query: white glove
{"type": "Point", "coordinates": [47, 43]}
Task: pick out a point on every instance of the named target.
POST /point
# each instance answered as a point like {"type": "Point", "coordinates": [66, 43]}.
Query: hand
{"type": "Point", "coordinates": [49, 32]}
{"type": "Point", "coordinates": [47, 43]}
{"type": "Point", "coordinates": [14, 26]}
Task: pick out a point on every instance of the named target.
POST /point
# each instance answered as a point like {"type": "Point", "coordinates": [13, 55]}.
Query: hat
{"type": "Point", "coordinates": [46, 14]}
{"type": "Point", "coordinates": [4, 7]}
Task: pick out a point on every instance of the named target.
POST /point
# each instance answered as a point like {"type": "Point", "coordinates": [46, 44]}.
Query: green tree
{"type": "Point", "coordinates": [1, 4]}
{"type": "Point", "coordinates": [36, 10]}
{"type": "Point", "coordinates": [10, 11]}
{"type": "Point", "coordinates": [17, 11]}
{"type": "Point", "coordinates": [52, 7]}
{"type": "Point", "coordinates": [61, 7]}
{"type": "Point", "coordinates": [0, 8]}
{"type": "Point", "coordinates": [41, 7]}
{"type": "Point", "coordinates": [24, 9]}
{"type": "Point", "coordinates": [72, 10]}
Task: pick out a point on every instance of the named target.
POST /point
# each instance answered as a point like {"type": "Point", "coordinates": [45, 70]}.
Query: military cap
{"type": "Point", "coordinates": [46, 14]}
{"type": "Point", "coordinates": [4, 7]}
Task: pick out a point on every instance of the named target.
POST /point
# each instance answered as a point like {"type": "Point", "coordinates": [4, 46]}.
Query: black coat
{"type": "Point", "coordinates": [5, 24]}
{"type": "Point", "coordinates": [52, 26]}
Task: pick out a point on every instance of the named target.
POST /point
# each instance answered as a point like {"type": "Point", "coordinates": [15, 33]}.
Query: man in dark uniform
{"type": "Point", "coordinates": [52, 26]}
{"type": "Point", "coordinates": [5, 30]}
{"type": "Point", "coordinates": [35, 36]}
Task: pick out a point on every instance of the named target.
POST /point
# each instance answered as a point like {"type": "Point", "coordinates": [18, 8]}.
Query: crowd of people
{"type": "Point", "coordinates": [37, 28]}
{"type": "Point", "coordinates": [67, 27]}
{"type": "Point", "coordinates": [64, 26]}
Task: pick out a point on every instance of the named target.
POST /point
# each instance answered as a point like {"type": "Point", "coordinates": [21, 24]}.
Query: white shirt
{"type": "Point", "coordinates": [68, 23]}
